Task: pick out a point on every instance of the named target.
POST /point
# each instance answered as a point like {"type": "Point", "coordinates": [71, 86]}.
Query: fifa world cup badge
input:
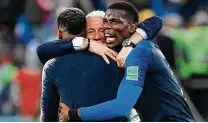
{"type": "Point", "coordinates": [132, 73]}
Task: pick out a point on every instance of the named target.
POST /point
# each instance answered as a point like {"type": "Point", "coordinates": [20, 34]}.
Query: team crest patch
{"type": "Point", "coordinates": [132, 73]}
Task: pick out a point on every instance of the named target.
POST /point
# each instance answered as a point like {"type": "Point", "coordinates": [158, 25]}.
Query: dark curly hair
{"type": "Point", "coordinates": [131, 11]}
{"type": "Point", "coordinates": [73, 20]}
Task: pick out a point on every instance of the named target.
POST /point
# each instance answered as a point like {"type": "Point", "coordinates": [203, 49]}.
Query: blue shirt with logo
{"type": "Point", "coordinates": [149, 86]}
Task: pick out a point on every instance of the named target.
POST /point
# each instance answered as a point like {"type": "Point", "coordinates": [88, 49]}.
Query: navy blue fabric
{"type": "Point", "coordinates": [100, 4]}
{"type": "Point", "coordinates": [54, 49]}
{"type": "Point", "coordinates": [161, 98]}
{"type": "Point", "coordinates": [80, 79]}
{"type": "Point", "coordinates": [151, 26]}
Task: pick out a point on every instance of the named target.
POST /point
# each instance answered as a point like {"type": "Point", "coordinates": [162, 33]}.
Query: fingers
{"type": "Point", "coordinates": [123, 54]}
{"type": "Point", "coordinates": [59, 109]}
{"type": "Point", "coordinates": [60, 115]}
{"type": "Point", "coordinates": [110, 55]}
{"type": "Point", "coordinates": [63, 112]}
{"type": "Point", "coordinates": [64, 106]}
{"type": "Point", "coordinates": [120, 60]}
{"type": "Point", "coordinates": [103, 51]}
{"type": "Point", "coordinates": [60, 118]}
{"type": "Point", "coordinates": [106, 59]}
{"type": "Point", "coordinates": [61, 104]}
{"type": "Point", "coordinates": [112, 52]}
{"type": "Point", "coordinates": [120, 64]}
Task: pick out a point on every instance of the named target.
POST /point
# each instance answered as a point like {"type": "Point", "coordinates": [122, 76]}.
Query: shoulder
{"type": "Point", "coordinates": [145, 44]}
{"type": "Point", "coordinates": [143, 48]}
{"type": "Point", "coordinates": [47, 71]}
{"type": "Point", "coordinates": [51, 65]}
{"type": "Point", "coordinates": [141, 53]}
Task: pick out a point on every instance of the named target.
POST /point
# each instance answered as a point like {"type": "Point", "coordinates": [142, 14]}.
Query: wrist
{"type": "Point", "coordinates": [85, 43]}
{"type": "Point", "coordinates": [142, 33]}
{"type": "Point", "coordinates": [136, 38]}
{"type": "Point", "coordinates": [88, 44]}
{"type": "Point", "coordinates": [128, 43]}
{"type": "Point", "coordinates": [78, 43]}
{"type": "Point", "coordinates": [139, 35]}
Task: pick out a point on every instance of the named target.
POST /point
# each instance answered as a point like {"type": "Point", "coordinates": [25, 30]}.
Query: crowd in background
{"type": "Point", "coordinates": [24, 24]}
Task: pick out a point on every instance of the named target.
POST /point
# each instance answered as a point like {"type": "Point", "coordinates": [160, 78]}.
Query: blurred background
{"type": "Point", "coordinates": [25, 24]}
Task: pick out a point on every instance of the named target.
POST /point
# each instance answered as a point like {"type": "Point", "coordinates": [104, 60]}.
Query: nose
{"type": "Point", "coordinates": [97, 36]}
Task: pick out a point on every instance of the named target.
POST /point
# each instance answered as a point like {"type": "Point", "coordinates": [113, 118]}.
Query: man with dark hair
{"type": "Point", "coordinates": [131, 13]}
{"type": "Point", "coordinates": [121, 17]}
{"type": "Point", "coordinates": [52, 89]}
{"type": "Point", "coordinates": [71, 23]}
{"type": "Point", "coordinates": [70, 78]}
{"type": "Point", "coordinates": [148, 85]}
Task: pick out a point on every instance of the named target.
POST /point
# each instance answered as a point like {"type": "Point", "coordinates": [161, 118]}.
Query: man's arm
{"type": "Point", "coordinates": [128, 92]}
{"type": "Point", "coordinates": [49, 97]}
{"type": "Point", "coordinates": [151, 26]}
{"type": "Point", "coordinates": [147, 29]}
{"type": "Point", "coordinates": [57, 48]}
{"type": "Point", "coordinates": [54, 49]}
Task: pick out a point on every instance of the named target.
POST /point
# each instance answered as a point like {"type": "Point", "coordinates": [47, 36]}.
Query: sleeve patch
{"type": "Point", "coordinates": [132, 73]}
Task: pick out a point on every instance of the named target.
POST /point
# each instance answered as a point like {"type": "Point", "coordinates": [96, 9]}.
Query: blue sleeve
{"type": "Point", "coordinates": [151, 26]}
{"type": "Point", "coordinates": [54, 49]}
{"type": "Point", "coordinates": [128, 92]}
{"type": "Point", "coordinates": [100, 4]}
{"type": "Point", "coordinates": [49, 96]}
{"type": "Point", "coordinates": [158, 7]}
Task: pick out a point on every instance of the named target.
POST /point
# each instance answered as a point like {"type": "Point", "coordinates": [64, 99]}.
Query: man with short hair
{"type": "Point", "coordinates": [71, 27]}
{"type": "Point", "coordinates": [95, 29]}
{"type": "Point", "coordinates": [70, 78]}
{"type": "Point", "coordinates": [148, 85]}
{"type": "Point", "coordinates": [71, 23]}
{"type": "Point", "coordinates": [95, 32]}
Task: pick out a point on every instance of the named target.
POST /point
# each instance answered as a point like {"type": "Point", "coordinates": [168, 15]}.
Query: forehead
{"type": "Point", "coordinates": [114, 14]}
{"type": "Point", "coordinates": [94, 22]}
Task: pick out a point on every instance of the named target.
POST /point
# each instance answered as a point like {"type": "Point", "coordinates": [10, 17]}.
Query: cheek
{"type": "Point", "coordinates": [118, 29]}
{"type": "Point", "coordinates": [102, 36]}
{"type": "Point", "coordinates": [123, 33]}
{"type": "Point", "coordinates": [119, 32]}
{"type": "Point", "coordinates": [90, 36]}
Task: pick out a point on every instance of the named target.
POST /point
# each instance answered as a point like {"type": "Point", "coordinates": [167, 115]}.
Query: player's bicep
{"type": "Point", "coordinates": [136, 66]}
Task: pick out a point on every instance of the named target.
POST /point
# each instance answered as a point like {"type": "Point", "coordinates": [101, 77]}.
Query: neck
{"type": "Point", "coordinates": [117, 48]}
{"type": "Point", "coordinates": [67, 36]}
{"type": "Point", "coordinates": [72, 36]}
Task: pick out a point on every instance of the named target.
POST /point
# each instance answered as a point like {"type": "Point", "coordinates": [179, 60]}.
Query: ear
{"type": "Point", "coordinates": [132, 27]}
{"type": "Point", "coordinates": [59, 34]}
